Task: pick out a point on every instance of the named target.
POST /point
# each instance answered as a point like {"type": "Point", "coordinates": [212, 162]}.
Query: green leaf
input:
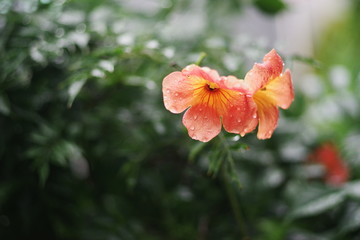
{"type": "Point", "coordinates": [4, 105]}
{"type": "Point", "coordinates": [194, 152]}
{"type": "Point", "coordinates": [270, 7]}
{"type": "Point", "coordinates": [307, 60]}
{"type": "Point", "coordinates": [318, 204]}
{"type": "Point", "coordinates": [352, 189]}
{"type": "Point", "coordinates": [216, 159]}
{"type": "Point", "coordinates": [44, 174]}
{"type": "Point", "coordinates": [74, 90]}
{"type": "Point", "coordinates": [272, 230]}
{"type": "Point", "coordinates": [351, 219]}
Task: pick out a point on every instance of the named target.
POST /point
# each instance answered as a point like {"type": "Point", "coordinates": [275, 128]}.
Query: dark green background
{"type": "Point", "coordinates": [88, 151]}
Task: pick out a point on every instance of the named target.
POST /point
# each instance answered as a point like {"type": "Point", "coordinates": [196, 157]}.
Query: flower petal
{"type": "Point", "coordinates": [281, 90]}
{"type": "Point", "coordinates": [268, 115]}
{"type": "Point", "coordinates": [241, 116]}
{"type": "Point", "coordinates": [262, 73]}
{"type": "Point", "coordinates": [201, 72]}
{"type": "Point", "coordinates": [233, 83]}
{"type": "Point", "coordinates": [274, 63]}
{"type": "Point", "coordinates": [257, 77]}
{"type": "Point", "coordinates": [202, 122]}
{"type": "Point", "coordinates": [177, 92]}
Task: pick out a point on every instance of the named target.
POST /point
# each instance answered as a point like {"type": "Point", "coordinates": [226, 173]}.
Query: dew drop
{"type": "Point", "coordinates": [231, 115]}
{"type": "Point", "coordinates": [239, 120]}
{"type": "Point", "coordinates": [176, 94]}
{"type": "Point", "coordinates": [238, 109]}
{"type": "Point", "coordinates": [167, 91]}
{"type": "Point", "coordinates": [195, 117]}
{"type": "Point", "coordinates": [200, 109]}
{"type": "Point", "coordinates": [192, 128]}
{"type": "Point", "coordinates": [254, 116]}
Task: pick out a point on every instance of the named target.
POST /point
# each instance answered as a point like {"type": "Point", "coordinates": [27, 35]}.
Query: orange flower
{"type": "Point", "coordinates": [212, 101]}
{"type": "Point", "coordinates": [270, 89]}
{"type": "Point", "coordinates": [336, 172]}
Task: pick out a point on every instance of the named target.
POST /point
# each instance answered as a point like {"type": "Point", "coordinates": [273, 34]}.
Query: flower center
{"type": "Point", "coordinates": [211, 95]}
{"type": "Point", "coordinates": [212, 86]}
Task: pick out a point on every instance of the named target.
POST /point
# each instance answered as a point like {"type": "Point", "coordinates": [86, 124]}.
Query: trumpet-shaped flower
{"type": "Point", "coordinates": [211, 101]}
{"type": "Point", "coordinates": [270, 89]}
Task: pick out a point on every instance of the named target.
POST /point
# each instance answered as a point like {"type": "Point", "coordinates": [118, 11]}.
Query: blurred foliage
{"type": "Point", "coordinates": [88, 151]}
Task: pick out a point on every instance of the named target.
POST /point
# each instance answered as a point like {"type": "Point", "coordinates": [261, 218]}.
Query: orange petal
{"type": "Point", "coordinates": [201, 72]}
{"type": "Point", "coordinates": [202, 122]}
{"type": "Point", "coordinates": [273, 62]}
{"type": "Point", "coordinates": [240, 116]}
{"type": "Point", "coordinates": [233, 83]}
{"type": "Point", "coordinates": [257, 77]}
{"type": "Point", "coordinates": [262, 73]}
{"type": "Point", "coordinates": [268, 115]}
{"type": "Point", "coordinates": [177, 92]}
{"type": "Point", "coordinates": [280, 90]}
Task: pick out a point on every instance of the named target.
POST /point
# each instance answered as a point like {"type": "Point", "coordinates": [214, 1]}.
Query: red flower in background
{"type": "Point", "coordinates": [336, 172]}
{"type": "Point", "coordinates": [270, 89]}
{"type": "Point", "coordinates": [210, 100]}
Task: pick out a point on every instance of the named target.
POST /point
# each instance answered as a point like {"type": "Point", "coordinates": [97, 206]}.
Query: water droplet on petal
{"type": "Point", "coordinates": [192, 128]}
{"type": "Point", "coordinates": [167, 91]}
{"type": "Point", "coordinates": [200, 109]}
{"type": "Point", "coordinates": [231, 115]}
{"type": "Point", "coordinates": [195, 117]}
{"type": "Point", "coordinates": [238, 109]}
{"type": "Point", "coordinates": [176, 94]}
{"type": "Point", "coordinates": [254, 116]}
{"type": "Point", "coordinates": [239, 120]}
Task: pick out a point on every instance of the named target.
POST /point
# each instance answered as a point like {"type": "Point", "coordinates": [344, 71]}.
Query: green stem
{"type": "Point", "coordinates": [201, 58]}
{"type": "Point", "coordinates": [234, 201]}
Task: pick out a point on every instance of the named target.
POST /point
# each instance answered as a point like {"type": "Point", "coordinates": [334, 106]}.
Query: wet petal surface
{"type": "Point", "coordinates": [262, 73]}
{"type": "Point", "coordinates": [202, 122]}
{"type": "Point", "coordinates": [268, 115]}
{"type": "Point", "coordinates": [177, 92]}
{"type": "Point", "coordinates": [281, 90]}
{"type": "Point", "coordinates": [241, 116]}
